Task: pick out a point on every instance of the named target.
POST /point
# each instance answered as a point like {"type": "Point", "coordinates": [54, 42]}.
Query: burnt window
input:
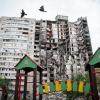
{"type": "Point", "coordinates": [37, 23]}
{"type": "Point", "coordinates": [1, 28]}
{"type": "Point", "coordinates": [45, 75]}
{"type": "Point", "coordinates": [25, 28]}
{"type": "Point", "coordinates": [19, 28]}
{"type": "Point", "coordinates": [34, 46]}
{"type": "Point", "coordinates": [51, 75]}
{"type": "Point", "coordinates": [25, 32]}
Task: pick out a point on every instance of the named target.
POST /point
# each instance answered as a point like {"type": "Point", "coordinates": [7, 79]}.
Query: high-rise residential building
{"type": "Point", "coordinates": [16, 40]}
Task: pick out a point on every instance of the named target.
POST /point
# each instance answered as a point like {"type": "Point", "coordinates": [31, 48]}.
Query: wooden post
{"type": "Point", "coordinates": [40, 95]}
{"type": "Point", "coordinates": [19, 87]}
{"type": "Point", "coordinates": [16, 85]}
{"type": "Point", "coordinates": [34, 84]}
{"type": "Point", "coordinates": [93, 83]}
{"type": "Point", "coordinates": [25, 86]}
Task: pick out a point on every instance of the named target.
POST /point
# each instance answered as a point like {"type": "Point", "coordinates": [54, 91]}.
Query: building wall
{"type": "Point", "coordinates": [16, 40]}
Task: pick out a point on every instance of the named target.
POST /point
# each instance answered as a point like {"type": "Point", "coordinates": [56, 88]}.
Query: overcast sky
{"type": "Point", "coordinates": [71, 8]}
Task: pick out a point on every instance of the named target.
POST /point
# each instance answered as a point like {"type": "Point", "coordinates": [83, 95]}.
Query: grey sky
{"type": "Point", "coordinates": [71, 8]}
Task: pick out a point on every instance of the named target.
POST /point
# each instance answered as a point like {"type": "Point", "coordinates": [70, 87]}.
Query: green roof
{"type": "Point", "coordinates": [95, 60]}
{"type": "Point", "coordinates": [27, 64]}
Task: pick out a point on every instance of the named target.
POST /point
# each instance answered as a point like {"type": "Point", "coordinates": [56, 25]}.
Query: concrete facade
{"type": "Point", "coordinates": [16, 40]}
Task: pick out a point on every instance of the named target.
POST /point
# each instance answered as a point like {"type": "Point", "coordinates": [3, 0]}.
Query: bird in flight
{"type": "Point", "coordinates": [23, 13]}
{"type": "Point", "coordinates": [42, 9]}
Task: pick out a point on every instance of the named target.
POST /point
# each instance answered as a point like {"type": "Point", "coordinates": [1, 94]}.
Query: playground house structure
{"type": "Point", "coordinates": [27, 65]}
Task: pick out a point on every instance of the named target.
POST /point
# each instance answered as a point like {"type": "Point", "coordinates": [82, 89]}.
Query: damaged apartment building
{"type": "Point", "coordinates": [61, 47]}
